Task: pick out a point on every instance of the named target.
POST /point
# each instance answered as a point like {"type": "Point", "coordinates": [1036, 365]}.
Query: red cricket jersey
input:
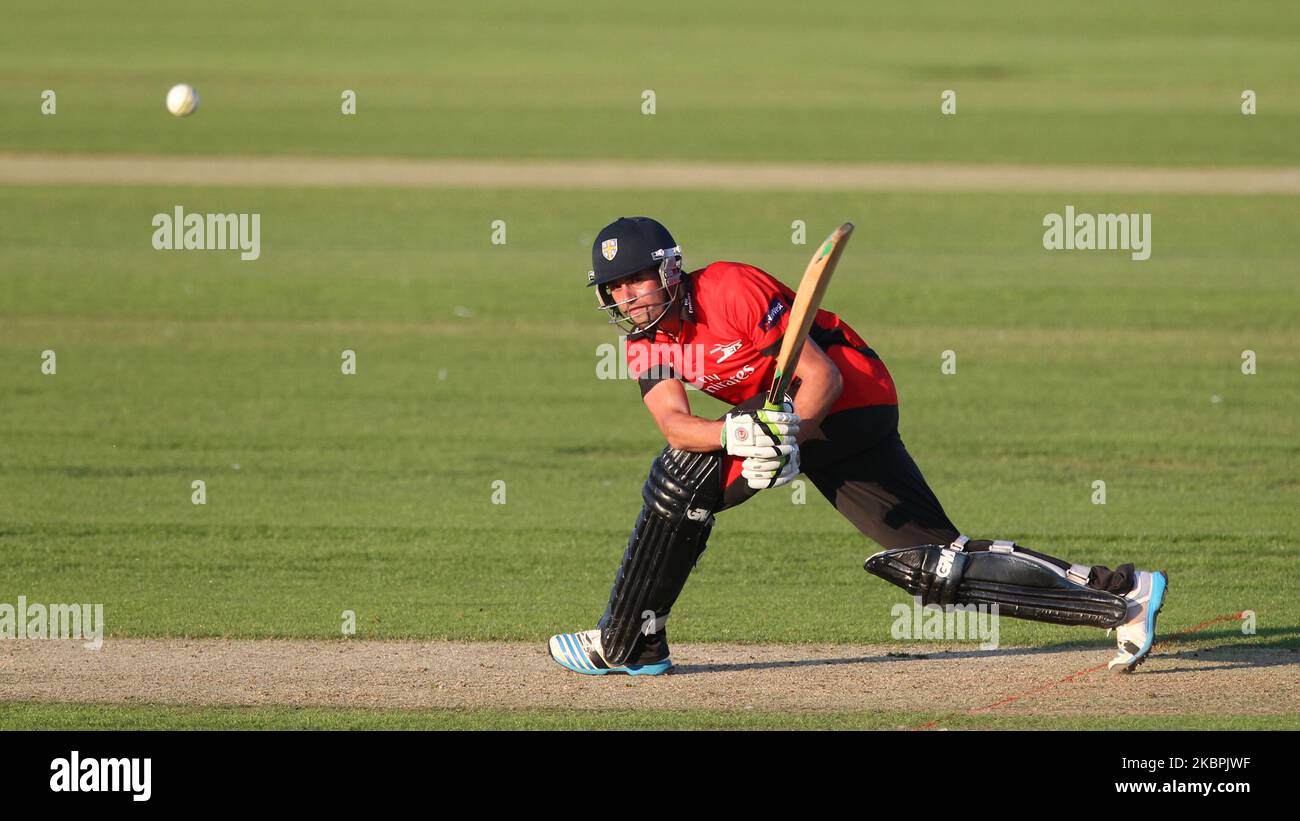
{"type": "Point", "coordinates": [736, 316]}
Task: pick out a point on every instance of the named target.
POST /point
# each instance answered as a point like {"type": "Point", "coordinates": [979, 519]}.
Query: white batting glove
{"type": "Point", "coordinates": [760, 433]}
{"type": "Point", "coordinates": [768, 472]}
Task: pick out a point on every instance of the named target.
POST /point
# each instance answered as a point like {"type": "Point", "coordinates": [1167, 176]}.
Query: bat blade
{"type": "Point", "coordinates": [806, 302]}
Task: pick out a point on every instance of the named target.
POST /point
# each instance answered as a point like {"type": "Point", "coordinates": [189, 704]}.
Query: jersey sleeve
{"type": "Point", "coordinates": [758, 307]}
{"type": "Point", "coordinates": [649, 365]}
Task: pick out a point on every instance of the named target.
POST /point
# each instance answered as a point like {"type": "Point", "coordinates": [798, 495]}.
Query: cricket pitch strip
{"type": "Point", "coordinates": [1181, 677]}
{"type": "Point", "coordinates": [559, 175]}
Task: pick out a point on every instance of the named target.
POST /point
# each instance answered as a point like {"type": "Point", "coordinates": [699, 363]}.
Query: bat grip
{"type": "Point", "coordinates": [789, 393]}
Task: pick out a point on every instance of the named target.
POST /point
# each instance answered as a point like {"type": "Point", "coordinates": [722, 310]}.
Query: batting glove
{"type": "Point", "coordinates": [765, 433]}
{"type": "Point", "coordinates": [766, 472]}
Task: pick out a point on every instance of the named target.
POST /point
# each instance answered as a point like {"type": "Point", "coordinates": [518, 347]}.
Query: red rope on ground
{"type": "Point", "coordinates": [1078, 674]}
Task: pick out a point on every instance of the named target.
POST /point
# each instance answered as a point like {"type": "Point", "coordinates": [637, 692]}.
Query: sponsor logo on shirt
{"type": "Point", "coordinates": [709, 383]}
{"type": "Point", "coordinates": [774, 310]}
{"type": "Point", "coordinates": [727, 350]}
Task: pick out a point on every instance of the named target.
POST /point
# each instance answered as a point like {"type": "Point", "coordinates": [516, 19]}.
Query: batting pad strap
{"type": "Point", "coordinates": [653, 623]}
{"type": "Point", "coordinates": [941, 576]}
{"type": "Point", "coordinates": [1002, 546]}
{"type": "Point", "coordinates": [1079, 574]}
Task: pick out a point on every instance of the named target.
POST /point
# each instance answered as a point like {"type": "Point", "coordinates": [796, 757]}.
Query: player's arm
{"type": "Point", "coordinates": [820, 384]}
{"type": "Point", "coordinates": [671, 409]}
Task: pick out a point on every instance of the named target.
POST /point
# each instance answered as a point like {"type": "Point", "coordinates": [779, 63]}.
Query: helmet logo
{"type": "Point", "coordinates": [609, 248]}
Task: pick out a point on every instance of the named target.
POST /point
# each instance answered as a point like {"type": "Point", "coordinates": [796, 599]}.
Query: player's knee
{"type": "Point", "coordinates": [684, 484]}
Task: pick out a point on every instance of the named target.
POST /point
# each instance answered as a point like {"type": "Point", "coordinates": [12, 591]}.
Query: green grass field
{"type": "Point", "coordinates": [78, 717]}
{"type": "Point", "coordinates": [477, 362]}
{"type": "Point", "coordinates": [374, 492]}
{"type": "Point", "coordinates": [1113, 82]}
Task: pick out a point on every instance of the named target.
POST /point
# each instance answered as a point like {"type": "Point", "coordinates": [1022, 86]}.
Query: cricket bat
{"type": "Point", "coordinates": [806, 302]}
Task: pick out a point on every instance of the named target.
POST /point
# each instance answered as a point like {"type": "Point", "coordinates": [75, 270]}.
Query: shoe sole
{"type": "Point", "coordinates": [656, 668]}
{"type": "Point", "coordinates": [660, 668]}
{"type": "Point", "coordinates": [1141, 658]}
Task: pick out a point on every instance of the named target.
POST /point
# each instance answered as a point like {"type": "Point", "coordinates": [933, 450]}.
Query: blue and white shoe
{"type": "Point", "coordinates": [1136, 635]}
{"type": "Point", "coordinates": [581, 653]}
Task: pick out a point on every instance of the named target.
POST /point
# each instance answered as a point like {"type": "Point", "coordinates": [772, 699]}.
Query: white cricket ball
{"type": "Point", "coordinates": [182, 100]}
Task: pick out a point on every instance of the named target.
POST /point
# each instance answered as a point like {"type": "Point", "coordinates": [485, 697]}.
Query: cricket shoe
{"type": "Point", "coordinates": [1136, 635]}
{"type": "Point", "coordinates": [581, 653]}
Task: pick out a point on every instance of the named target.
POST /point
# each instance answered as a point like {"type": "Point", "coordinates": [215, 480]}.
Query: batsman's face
{"type": "Point", "coordinates": [642, 296]}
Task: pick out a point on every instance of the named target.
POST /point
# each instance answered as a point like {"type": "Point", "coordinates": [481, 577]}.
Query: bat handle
{"type": "Point", "coordinates": [775, 406]}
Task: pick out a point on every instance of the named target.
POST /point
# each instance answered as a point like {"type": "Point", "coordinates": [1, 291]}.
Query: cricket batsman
{"type": "Point", "coordinates": [719, 329]}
